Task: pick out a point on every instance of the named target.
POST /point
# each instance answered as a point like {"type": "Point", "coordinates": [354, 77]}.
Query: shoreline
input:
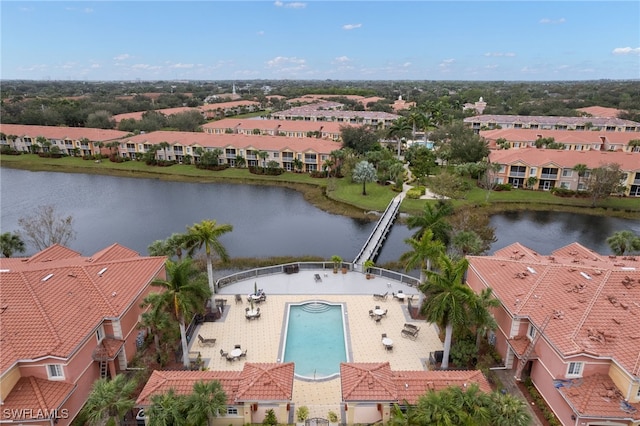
{"type": "Point", "coordinates": [314, 194]}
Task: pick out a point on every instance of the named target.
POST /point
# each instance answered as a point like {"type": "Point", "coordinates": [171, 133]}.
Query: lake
{"type": "Point", "coordinates": [267, 221]}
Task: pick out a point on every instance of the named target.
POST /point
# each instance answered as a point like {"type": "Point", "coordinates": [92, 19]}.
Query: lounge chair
{"type": "Point", "coordinates": [411, 334]}
{"type": "Point", "coordinates": [411, 327]}
{"type": "Point", "coordinates": [317, 278]}
{"type": "Point", "coordinates": [205, 342]}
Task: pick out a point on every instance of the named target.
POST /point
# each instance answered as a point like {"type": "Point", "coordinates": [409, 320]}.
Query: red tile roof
{"type": "Point", "coordinates": [61, 133]}
{"type": "Point", "coordinates": [592, 299]}
{"type": "Point", "coordinates": [54, 300]}
{"type": "Point", "coordinates": [256, 382]}
{"type": "Point", "coordinates": [227, 105]}
{"type": "Point", "coordinates": [598, 111]}
{"type": "Point", "coordinates": [276, 125]}
{"type": "Point", "coordinates": [34, 396]}
{"type": "Point", "coordinates": [566, 159]}
{"type": "Point", "coordinates": [265, 143]}
{"type": "Point", "coordinates": [597, 396]}
{"type": "Point", "coordinates": [561, 136]}
{"type": "Point", "coordinates": [165, 111]}
{"type": "Point", "coordinates": [375, 382]}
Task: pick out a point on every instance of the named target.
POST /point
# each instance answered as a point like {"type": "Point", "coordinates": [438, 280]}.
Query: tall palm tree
{"type": "Point", "coordinates": [581, 169]}
{"type": "Point", "coordinates": [164, 145]}
{"type": "Point", "coordinates": [156, 320]}
{"type": "Point", "coordinates": [424, 251]}
{"type": "Point", "coordinates": [439, 409]}
{"type": "Point", "coordinates": [622, 242]}
{"type": "Point", "coordinates": [433, 217]}
{"type": "Point", "coordinates": [263, 155]}
{"type": "Point", "coordinates": [11, 243]}
{"type": "Point", "coordinates": [184, 294]}
{"type": "Point", "coordinates": [168, 409]}
{"type": "Point", "coordinates": [446, 298]}
{"type": "Point", "coordinates": [207, 234]}
{"type": "Point", "coordinates": [207, 400]}
{"type": "Point", "coordinates": [400, 129]}
{"type": "Point", "coordinates": [472, 401]}
{"type": "Point", "coordinates": [109, 400]}
{"type": "Point", "coordinates": [468, 242]}
{"type": "Point", "coordinates": [480, 314]}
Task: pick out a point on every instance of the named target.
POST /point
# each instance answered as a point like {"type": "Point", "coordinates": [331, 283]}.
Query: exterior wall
{"type": "Point", "coordinates": [363, 413]}
{"type": "Point", "coordinates": [544, 383]}
{"type": "Point", "coordinates": [623, 382]}
{"type": "Point", "coordinates": [8, 381]}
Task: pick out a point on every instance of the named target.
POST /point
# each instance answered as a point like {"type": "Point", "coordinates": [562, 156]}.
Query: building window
{"type": "Point", "coordinates": [55, 372]}
{"type": "Point", "coordinates": [533, 171]}
{"type": "Point", "coordinates": [564, 185]}
{"type": "Point", "coordinates": [638, 393]}
{"type": "Point", "coordinates": [567, 172]}
{"type": "Point", "coordinates": [232, 411]}
{"type": "Point", "coordinates": [575, 369]}
{"type": "Point", "coordinates": [531, 332]}
{"type": "Point", "coordinates": [100, 333]}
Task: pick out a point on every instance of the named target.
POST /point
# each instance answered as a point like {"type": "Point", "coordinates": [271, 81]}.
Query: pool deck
{"type": "Point", "coordinates": [262, 337]}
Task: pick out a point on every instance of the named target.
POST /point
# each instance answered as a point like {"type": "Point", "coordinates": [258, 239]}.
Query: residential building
{"type": "Point", "coordinates": [537, 122]}
{"type": "Point", "coordinates": [164, 111]}
{"type": "Point", "coordinates": [329, 112]}
{"type": "Point", "coordinates": [251, 392]}
{"type": "Point", "coordinates": [66, 321]}
{"type": "Point", "coordinates": [284, 150]}
{"type": "Point", "coordinates": [554, 168]}
{"type": "Point", "coordinates": [401, 105]}
{"type": "Point", "coordinates": [224, 109]}
{"type": "Point", "coordinates": [478, 107]}
{"type": "Point", "coordinates": [83, 140]}
{"type": "Point", "coordinates": [598, 111]}
{"type": "Point", "coordinates": [291, 129]}
{"type": "Point", "coordinates": [370, 390]}
{"type": "Point", "coordinates": [570, 139]}
{"type": "Point", "coordinates": [569, 322]}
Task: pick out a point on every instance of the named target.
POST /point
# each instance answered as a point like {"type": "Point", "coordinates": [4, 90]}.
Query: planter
{"type": "Point", "coordinates": [344, 270]}
{"type": "Point", "coordinates": [370, 276]}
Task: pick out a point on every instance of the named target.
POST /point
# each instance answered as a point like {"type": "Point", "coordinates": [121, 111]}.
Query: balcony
{"type": "Point", "coordinates": [549, 176]}
{"type": "Point", "coordinates": [517, 174]}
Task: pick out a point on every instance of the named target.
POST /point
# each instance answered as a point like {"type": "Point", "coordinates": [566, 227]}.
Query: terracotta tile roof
{"type": "Point", "coordinates": [519, 344]}
{"type": "Point", "coordinates": [37, 395]}
{"type": "Point", "coordinates": [275, 125]}
{"type": "Point", "coordinates": [411, 385]}
{"type": "Point", "coordinates": [564, 158]}
{"type": "Point", "coordinates": [107, 349]}
{"type": "Point", "coordinates": [51, 253]}
{"type": "Point", "coordinates": [266, 382]}
{"type": "Point", "coordinates": [227, 105]}
{"type": "Point", "coordinates": [182, 383]}
{"type": "Point", "coordinates": [313, 111]}
{"type": "Point", "coordinates": [265, 143]}
{"type": "Point", "coordinates": [375, 382]}
{"type": "Point", "coordinates": [548, 120]}
{"type": "Point", "coordinates": [50, 307]}
{"type": "Point", "coordinates": [563, 136]}
{"type": "Point", "coordinates": [62, 133]}
{"type": "Point", "coordinates": [256, 382]}
{"type": "Point", "coordinates": [592, 299]}
{"type": "Point", "coordinates": [367, 382]}
{"type": "Point", "coordinates": [603, 112]}
{"type": "Point", "coordinates": [165, 111]}
{"type": "Point", "coordinates": [597, 396]}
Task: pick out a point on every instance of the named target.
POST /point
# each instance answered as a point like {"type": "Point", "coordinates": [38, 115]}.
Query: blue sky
{"type": "Point", "coordinates": [340, 40]}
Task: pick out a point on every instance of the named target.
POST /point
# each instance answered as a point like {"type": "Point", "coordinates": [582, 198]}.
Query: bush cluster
{"type": "Point", "coordinates": [569, 193]}
{"type": "Point", "coordinates": [415, 192]}
{"type": "Point", "coordinates": [541, 403]}
{"type": "Point", "coordinates": [275, 171]}
{"type": "Point", "coordinates": [7, 150]}
{"type": "Point", "coordinates": [503, 187]}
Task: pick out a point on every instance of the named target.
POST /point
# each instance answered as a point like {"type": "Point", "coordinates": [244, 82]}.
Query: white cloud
{"type": "Point", "coordinates": [341, 60]}
{"type": "Point", "coordinates": [351, 26]}
{"type": "Point", "coordinates": [96, 66]}
{"type": "Point", "coordinates": [406, 65]}
{"type": "Point", "coordinates": [283, 61]}
{"type": "Point", "coordinates": [499, 54]}
{"type": "Point", "coordinates": [260, 33]}
{"type": "Point", "coordinates": [182, 65]}
{"type": "Point", "coordinates": [123, 57]}
{"type": "Point", "coordinates": [446, 62]}
{"type": "Point", "coordinates": [552, 21]}
{"type": "Point", "coordinates": [626, 51]}
{"type": "Point", "coordinates": [146, 67]}
{"type": "Point", "coordinates": [292, 5]}
{"type": "Point", "coordinates": [87, 10]}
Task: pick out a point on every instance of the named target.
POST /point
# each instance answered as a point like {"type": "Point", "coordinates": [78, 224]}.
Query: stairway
{"type": "Point", "coordinates": [527, 353]}
{"type": "Point", "coordinates": [103, 369]}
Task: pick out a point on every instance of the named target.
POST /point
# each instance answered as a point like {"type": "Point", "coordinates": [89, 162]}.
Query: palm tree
{"type": "Point", "coordinates": [328, 166]}
{"type": "Point", "coordinates": [156, 320]}
{"type": "Point", "coordinates": [297, 164]}
{"type": "Point", "coordinates": [263, 155]}
{"type": "Point", "coordinates": [473, 402]}
{"type": "Point", "coordinates": [98, 145]}
{"type": "Point", "coordinates": [446, 298]}
{"type": "Point", "coordinates": [207, 234]}
{"type": "Point", "coordinates": [424, 251]}
{"type": "Point", "coordinates": [508, 410]}
{"type": "Point", "coordinates": [400, 129]}
{"type": "Point", "coordinates": [184, 294]}
{"type": "Point", "coordinates": [434, 218]}
{"type": "Point", "coordinates": [11, 243]}
{"type": "Point", "coordinates": [468, 242]}
{"type": "Point", "coordinates": [581, 169]}
{"type": "Point", "coordinates": [109, 400]}
{"type": "Point", "coordinates": [439, 409]}
{"type": "Point", "coordinates": [207, 400]}
{"type": "Point", "coordinates": [168, 409]}
{"type": "Point", "coordinates": [364, 172]}
{"type": "Point", "coordinates": [622, 242]}
{"type": "Point", "coordinates": [164, 145]}
{"type": "Point", "coordinates": [480, 314]}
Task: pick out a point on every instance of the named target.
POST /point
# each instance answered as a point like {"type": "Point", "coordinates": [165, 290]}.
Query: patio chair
{"type": "Point", "coordinates": [223, 354]}
{"type": "Point", "coordinates": [317, 278]}
{"type": "Point", "coordinates": [205, 342]}
{"type": "Point", "coordinates": [384, 335]}
{"type": "Point", "coordinates": [385, 313]}
{"type": "Point", "coordinates": [230, 358]}
{"type": "Point", "coordinates": [384, 296]}
{"type": "Point", "coordinates": [247, 309]}
{"type": "Point", "coordinates": [238, 298]}
{"type": "Point", "coordinates": [236, 346]}
{"type": "Point", "coordinates": [243, 354]}
{"type": "Point", "coordinates": [371, 314]}
{"type": "Point", "coordinates": [378, 320]}
{"type": "Point", "coordinates": [376, 307]}
{"type": "Point", "coordinates": [395, 296]}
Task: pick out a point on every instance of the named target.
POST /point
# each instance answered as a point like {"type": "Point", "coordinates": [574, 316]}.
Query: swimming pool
{"type": "Point", "coordinates": [315, 340]}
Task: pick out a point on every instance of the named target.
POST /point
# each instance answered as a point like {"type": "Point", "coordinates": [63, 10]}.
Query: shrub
{"type": "Point", "coordinates": [270, 418]}
{"type": "Point", "coordinates": [503, 187]}
{"type": "Point", "coordinates": [302, 413]}
{"type": "Point", "coordinates": [416, 192]}
{"type": "Point", "coordinates": [332, 416]}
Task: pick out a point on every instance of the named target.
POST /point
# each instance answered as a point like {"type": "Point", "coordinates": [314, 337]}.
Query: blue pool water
{"type": "Point", "coordinates": [315, 340]}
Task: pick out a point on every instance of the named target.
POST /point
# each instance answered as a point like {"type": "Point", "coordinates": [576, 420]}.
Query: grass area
{"type": "Point", "coordinates": [338, 196]}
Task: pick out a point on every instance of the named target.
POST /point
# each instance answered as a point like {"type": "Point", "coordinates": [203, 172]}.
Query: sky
{"type": "Point", "coordinates": [319, 40]}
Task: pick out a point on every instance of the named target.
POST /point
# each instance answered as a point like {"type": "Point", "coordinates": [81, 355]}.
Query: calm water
{"type": "Point", "coordinates": [315, 340]}
{"type": "Point", "coordinates": [267, 221]}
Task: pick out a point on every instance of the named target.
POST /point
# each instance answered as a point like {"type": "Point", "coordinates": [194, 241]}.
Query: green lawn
{"type": "Point", "coordinates": [340, 196]}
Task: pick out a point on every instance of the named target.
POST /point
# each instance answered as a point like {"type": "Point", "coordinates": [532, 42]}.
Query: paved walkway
{"type": "Point", "coordinates": [509, 383]}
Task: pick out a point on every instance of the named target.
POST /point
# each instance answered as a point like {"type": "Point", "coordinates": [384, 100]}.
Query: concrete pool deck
{"type": "Point", "coordinates": [262, 338]}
